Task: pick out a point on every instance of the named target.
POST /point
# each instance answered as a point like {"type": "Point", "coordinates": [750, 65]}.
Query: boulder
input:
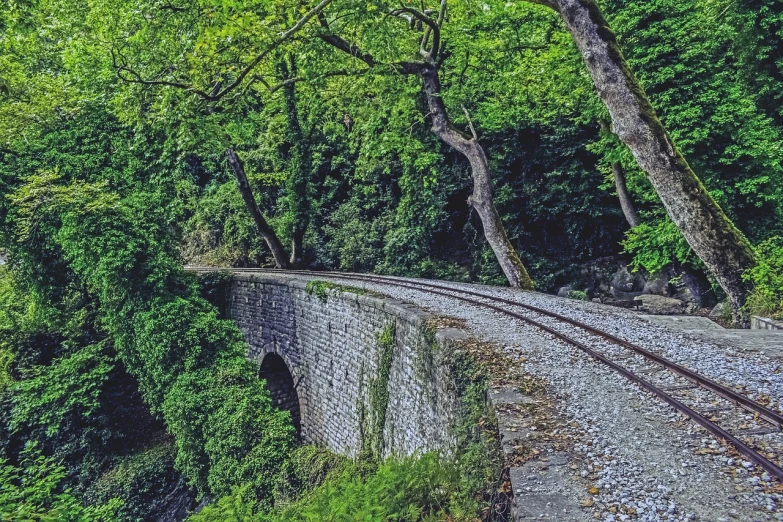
{"type": "Point", "coordinates": [660, 305]}
{"type": "Point", "coordinates": [686, 295]}
{"type": "Point", "coordinates": [626, 296]}
{"type": "Point", "coordinates": [658, 285]}
{"type": "Point", "coordinates": [595, 276]}
{"type": "Point", "coordinates": [565, 290]}
{"type": "Point", "coordinates": [721, 310]}
{"type": "Point", "coordinates": [625, 284]}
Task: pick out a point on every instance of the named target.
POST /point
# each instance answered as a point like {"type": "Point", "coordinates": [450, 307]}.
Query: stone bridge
{"type": "Point", "coordinates": [357, 371]}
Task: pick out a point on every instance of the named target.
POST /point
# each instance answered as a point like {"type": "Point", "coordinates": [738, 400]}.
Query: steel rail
{"type": "Point", "coordinates": [700, 419]}
{"type": "Point", "coordinates": [750, 405]}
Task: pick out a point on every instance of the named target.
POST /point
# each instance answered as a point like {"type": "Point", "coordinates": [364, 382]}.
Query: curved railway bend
{"type": "Point", "coordinates": [646, 423]}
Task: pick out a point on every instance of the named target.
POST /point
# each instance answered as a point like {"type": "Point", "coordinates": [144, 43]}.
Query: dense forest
{"type": "Point", "coordinates": [515, 143]}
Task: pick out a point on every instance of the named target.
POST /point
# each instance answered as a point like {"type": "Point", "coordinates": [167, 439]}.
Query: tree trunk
{"type": "Point", "coordinates": [481, 199]}
{"type": "Point", "coordinates": [711, 235]}
{"type": "Point", "coordinates": [278, 252]}
{"type": "Point", "coordinates": [626, 203]}
{"type": "Point", "coordinates": [300, 166]}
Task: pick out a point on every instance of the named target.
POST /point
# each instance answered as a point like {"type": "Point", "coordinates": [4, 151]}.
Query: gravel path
{"type": "Point", "coordinates": [647, 461]}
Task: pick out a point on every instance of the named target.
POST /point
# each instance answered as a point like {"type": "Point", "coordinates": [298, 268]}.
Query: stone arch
{"type": "Point", "coordinates": [282, 387]}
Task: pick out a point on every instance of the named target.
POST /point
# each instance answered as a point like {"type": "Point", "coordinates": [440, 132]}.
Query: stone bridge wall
{"type": "Point", "coordinates": [329, 339]}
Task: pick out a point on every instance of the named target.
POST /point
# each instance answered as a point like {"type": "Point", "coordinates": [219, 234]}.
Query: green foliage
{"type": "Point", "coordinates": [417, 488]}
{"type": "Point", "coordinates": [478, 446]}
{"type": "Point", "coordinates": [221, 232]}
{"type": "Point", "coordinates": [355, 240]}
{"type": "Point", "coordinates": [107, 185]}
{"type": "Point", "coordinates": [420, 488]}
{"type": "Point", "coordinates": [306, 468]}
{"type": "Point", "coordinates": [226, 430]}
{"type": "Point", "coordinates": [33, 492]}
{"type": "Point", "coordinates": [319, 289]}
{"type": "Point", "coordinates": [189, 363]}
{"type": "Point", "coordinates": [758, 46]}
{"type": "Point", "coordinates": [687, 57]}
{"type": "Point", "coordinates": [766, 298]}
{"type": "Point", "coordinates": [215, 287]}
{"type": "Point", "coordinates": [657, 245]}
{"type": "Point", "coordinates": [579, 295]}
{"type": "Point", "coordinates": [425, 487]}
{"type": "Point", "coordinates": [378, 389]}
{"type": "Point", "coordinates": [70, 386]}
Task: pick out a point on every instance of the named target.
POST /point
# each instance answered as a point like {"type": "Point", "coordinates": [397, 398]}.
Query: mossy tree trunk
{"type": "Point", "coordinates": [709, 232]}
{"type": "Point", "coordinates": [266, 231]}
{"type": "Point", "coordinates": [300, 166]}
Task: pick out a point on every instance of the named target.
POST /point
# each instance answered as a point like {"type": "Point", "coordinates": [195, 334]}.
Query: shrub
{"type": "Point", "coordinates": [657, 244]}
{"type": "Point", "coordinates": [420, 488]}
{"type": "Point", "coordinates": [766, 298]}
{"type": "Point", "coordinates": [415, 488]}
{"type": "Point", "coordinates": [142, 481]}
{"type": "Point", "coordinates": [32, 492]}
{"type": "Point", "coordinates": [226, 430]}
{"type": "Point", "coordinates": [579, 295]}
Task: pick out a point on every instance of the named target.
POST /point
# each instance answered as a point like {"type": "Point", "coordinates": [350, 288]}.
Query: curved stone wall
{"type": "Point", "coordinates": [357, 362]}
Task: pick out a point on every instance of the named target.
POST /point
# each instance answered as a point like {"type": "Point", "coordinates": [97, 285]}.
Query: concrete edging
{"type": "Point", "coordinates": [763, 323]}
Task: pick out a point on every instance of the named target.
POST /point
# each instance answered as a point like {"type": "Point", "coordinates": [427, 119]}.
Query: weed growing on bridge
{"type": "Point", "coordinates": [379, 389]}
{"type": "Point", "coordinates": [319, 289]}
{"type": "Point", "coordinates": [461, 487]}
{"type": "Point", "coordinates": [478, 446]}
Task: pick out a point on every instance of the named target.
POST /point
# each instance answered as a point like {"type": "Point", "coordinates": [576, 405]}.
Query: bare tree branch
{"type": "Point", "coordinates": [343, 45]}
{"type": "Point", "coordinates": [172, 8]}
{"type": "Point", "coordinates": [470, 123]}
{"type": "Point", "coordinates": [216, 96]}
{"type": "Point", "coordinates": [433, 28]}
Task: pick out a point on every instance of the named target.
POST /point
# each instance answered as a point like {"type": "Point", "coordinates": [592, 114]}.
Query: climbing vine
{"type": "Point", "coordinates": [379, 389]}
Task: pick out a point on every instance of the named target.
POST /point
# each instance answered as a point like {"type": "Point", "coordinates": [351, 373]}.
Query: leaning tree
{"type": "Point", "coordinates": [713, 237]}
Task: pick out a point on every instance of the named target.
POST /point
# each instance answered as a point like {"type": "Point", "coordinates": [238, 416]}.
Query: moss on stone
{"type": "Point", "coordinates": [319, 289]}
{"type": "Point", "coordinates": [379, 390]}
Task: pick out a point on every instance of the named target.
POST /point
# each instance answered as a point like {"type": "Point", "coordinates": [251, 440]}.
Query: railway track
{"type": "Point", "coordinates": [679, 387]}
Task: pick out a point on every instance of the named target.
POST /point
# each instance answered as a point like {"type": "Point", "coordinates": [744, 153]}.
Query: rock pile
{"type": "Point", "coordinates": [672, 291]}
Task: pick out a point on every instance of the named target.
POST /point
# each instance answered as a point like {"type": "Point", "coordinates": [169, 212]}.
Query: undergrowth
{"type": "Point", "coordinates": [766, 298]}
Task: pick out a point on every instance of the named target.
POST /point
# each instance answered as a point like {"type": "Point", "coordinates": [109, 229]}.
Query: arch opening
{"type": "Point", "coordinates": [281, 387]}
